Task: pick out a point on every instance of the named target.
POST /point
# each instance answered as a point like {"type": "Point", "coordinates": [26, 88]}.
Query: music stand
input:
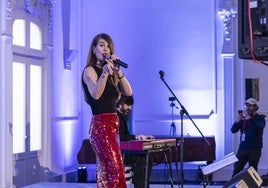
{"type": "Point", "coordinates": [217, 165]}
{"type": "Point", "coordinates": [182, 112]}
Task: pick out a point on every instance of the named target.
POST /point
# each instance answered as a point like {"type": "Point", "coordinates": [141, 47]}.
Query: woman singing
{"type": "Point", "coordinates": [103, 83]}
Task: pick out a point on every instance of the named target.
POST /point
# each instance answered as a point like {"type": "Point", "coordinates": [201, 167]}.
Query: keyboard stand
{"type": "Point", "coordinates": [147, 153]}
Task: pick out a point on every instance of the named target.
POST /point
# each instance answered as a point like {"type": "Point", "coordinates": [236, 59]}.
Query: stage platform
{"type": "Point", "coordinates": [93, 185]}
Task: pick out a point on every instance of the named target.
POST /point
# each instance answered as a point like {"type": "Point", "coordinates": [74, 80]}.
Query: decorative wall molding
{"type": "Point", "coordinates": [8, 9]}
{"type": "Point", "coordinates": [227, 11]}
{"type": "Point", "coordinates": [34, 7]}
{"type": "Point", "coordinates": [51, 4]}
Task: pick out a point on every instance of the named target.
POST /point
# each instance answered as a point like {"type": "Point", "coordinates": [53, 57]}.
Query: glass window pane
{"type": "Point", "coordinates": [19, 32]}
{"type": "Point", "coordinates": [19, 122]}
{"type": "Point", "coordinates": [35, 107]}
{"type": "Point", "coordinates": [35, 37]}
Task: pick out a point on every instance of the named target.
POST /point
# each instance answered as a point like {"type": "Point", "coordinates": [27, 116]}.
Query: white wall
{"type": "Point", "coordinates": [185, 40]}
{"type": "Point", "coordinates": [154, 36]}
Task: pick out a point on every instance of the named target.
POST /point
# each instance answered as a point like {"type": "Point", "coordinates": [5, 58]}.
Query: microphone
{"type": "Point", "coordinates": [117, 61]}
{"type": "Point", "coordinates": [162, 74]}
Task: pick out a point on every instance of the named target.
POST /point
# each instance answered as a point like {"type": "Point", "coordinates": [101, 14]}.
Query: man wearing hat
{"type": "Point", "coordinates": [250, 124]}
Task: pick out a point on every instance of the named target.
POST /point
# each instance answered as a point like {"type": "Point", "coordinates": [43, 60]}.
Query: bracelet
{"type": "Point", "coordinates": [121, 76]}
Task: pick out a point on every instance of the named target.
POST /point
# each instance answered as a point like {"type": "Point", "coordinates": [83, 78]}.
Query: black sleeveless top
{"type": "Point", "coordinates": [107, 102]}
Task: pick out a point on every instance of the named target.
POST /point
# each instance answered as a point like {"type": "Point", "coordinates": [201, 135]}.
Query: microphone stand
{"type": "Point", "coordinates": [172, 131]}
{"type": "Point", "coordinates": [182, 112]}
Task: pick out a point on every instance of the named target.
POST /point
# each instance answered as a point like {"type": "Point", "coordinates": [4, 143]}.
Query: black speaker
{"type": "Point", "coordinates": [82, 175]}
{"type": "Point", "coordinates": [252, 88]}
{"type": "Point", "coordinates": [258, 19]}
{"type": "Point", "coordinates": [249, 176]}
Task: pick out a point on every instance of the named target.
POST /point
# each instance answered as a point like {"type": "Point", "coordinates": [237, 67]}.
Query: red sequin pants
{"type": "Point", "coordinates": [104, 136]}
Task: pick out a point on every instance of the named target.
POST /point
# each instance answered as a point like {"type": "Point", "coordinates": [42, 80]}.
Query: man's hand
{"type": "Point", "coordinates": [144, 137]}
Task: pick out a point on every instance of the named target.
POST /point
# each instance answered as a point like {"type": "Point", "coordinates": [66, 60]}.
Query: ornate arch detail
{"type": "Point", "coordinates": [50, 4]}
{"type": "Point", "coordinates": [36, 6]}
{"type": "Point", "coordinates": [39, 8]}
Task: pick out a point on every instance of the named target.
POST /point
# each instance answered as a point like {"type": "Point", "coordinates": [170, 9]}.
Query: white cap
{"type": "Point", "coordinates": [252, 101]}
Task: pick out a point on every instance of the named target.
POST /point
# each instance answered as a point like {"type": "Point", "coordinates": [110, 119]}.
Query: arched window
{"type": "Point", "coordinates": [20, 37]}
{"type": "Point", "coordinates": [35, 37]}
{"type": "Point", "coordinates": [19, 32]}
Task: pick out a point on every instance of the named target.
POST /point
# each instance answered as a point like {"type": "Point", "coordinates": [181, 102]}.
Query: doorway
{"type": "Point", "coordinates": [27, 119]}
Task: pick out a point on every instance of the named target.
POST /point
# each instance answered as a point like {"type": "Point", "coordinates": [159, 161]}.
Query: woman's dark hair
{"type": "Point", "coordinates": [129, 100]}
